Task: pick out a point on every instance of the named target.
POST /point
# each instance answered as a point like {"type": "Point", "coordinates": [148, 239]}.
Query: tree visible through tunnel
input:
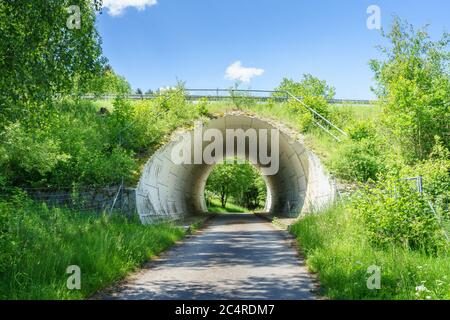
{"type": "Point", "coordinates": [236, 183]}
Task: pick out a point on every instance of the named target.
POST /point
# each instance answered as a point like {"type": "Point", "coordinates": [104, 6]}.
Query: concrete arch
{"type": "Point", "coordinates": [167, 189]}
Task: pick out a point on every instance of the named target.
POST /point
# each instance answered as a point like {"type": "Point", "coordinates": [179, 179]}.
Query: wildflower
{"type": "Point", "coordinates": [421, 288]}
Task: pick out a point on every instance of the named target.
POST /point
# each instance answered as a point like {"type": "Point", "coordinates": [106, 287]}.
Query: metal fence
{"type": "Point", "coordinates": [88, 199]}
{"type": "Point", "coordinates": [418, 187]}
{"type": "Point", "coordinates": [240, 95]}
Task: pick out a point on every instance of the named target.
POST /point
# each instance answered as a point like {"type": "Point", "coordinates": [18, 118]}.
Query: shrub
{"type": "Point", "coordinates": [338, 249]}
{"type": "Point", "coordinates": [357, 161]}
{"type": "Point", "coordinates": [314, 93]}
{"type": "Point", "coordinates": [394, 214]}
{"type": "Point", "coordinates": [360, 158]}
{"type": "Point", "coordinates": [435, 173]}
{"type": "Point", "coordinates": [28, 156]}
{"type": "Point", "coordinates": [413, 81]}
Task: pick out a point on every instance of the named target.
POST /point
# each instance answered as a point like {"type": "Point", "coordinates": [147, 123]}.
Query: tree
{"type": "Point", "coordinates": [308, 86]}
{"type": "Point", "coordinates": [314, 92]}
{"type": "Point", "coordinates": [109, 82]}
{"type": "Point", "coordinates": [413, 83]}
{"type": "Point", "coordinates": [41, 57]}
{"type": "Point", "coordinates": [240, 181]}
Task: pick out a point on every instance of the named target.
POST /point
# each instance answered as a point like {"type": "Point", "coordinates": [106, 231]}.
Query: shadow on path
{"type": "Point", "coordinates": [238, 256]}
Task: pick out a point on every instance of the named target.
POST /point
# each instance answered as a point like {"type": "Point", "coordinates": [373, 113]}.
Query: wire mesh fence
{"type": "Point", "coordinates": [86, 199]}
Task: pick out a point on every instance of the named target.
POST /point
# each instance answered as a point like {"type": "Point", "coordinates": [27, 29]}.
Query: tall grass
{"type": "Point", "coordinates": [337, 249]}
{"type": "Point", "coordinates": [38, 244]}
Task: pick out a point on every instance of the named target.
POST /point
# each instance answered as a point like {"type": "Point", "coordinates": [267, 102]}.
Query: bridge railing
{"type": "Point", "coordinates": [257, 95]}
{"type": "Point", "coordinates": [320, 121]}
{"type": "Point", "coordinates": [276, 95]}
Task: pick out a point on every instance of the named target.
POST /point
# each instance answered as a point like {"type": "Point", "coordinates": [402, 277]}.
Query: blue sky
{"type": "Point", "coordinates": [197, 40]}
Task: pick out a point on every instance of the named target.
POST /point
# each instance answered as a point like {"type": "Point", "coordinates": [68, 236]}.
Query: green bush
{"type": "Point", "coordinates": [28, 155]}
{"type": "Point", "coordinates": [338, 250]}
{"type": "Point", "coordinates": [79, 145]}
{"type": "Point", "coordinates": [314, 93]}
{"type": "Point", "coordinates": [357, 161]}
{"type": "Point", "coordinates": [435, 173]}
{"type": "Point", "coordinates": [395, 214]}
{"type": "Point", "coordinates": [414, 84]}
{"type": "Point", "coordinates": [360, 158]}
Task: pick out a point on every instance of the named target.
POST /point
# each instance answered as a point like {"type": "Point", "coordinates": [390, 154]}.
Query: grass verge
{"type": "Point", "coordinates": [338, 251]}
{"type": "Point", "coordinates": [39, 244]}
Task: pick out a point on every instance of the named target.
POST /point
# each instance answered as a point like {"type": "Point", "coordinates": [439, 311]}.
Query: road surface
{"type": "Point", "coordinates": [237, 256]}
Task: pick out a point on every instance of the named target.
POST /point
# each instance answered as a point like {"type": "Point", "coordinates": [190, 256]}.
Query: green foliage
{"type": "Point", "coordinates": [435, 173]}
{"type": "Point", "coordinates": [314, 93]}
{"type": "Point", "coordinates": [202, 107]}
{"type": "Point", "coordinates": [28, 156]}
{"type": "Point", "coordinates": [79, 145]}
{"type": "Point", "coordinates": [309, 86]}
{"type": "Point", "coordinates": [109, 83]}
{"type": "Point", "coordinates": [38, 244]}
{"type": "Point", "coordinates": [414, 84]}
{"type": "Point", "coordinates": [42, 58]}
{"type": "Point", "coordinates": [337, 248]}
{"type": "Point", "coordinates": [360, 158]}
{"type": "Point", "coordinates": [242, 182]}
{"type": "Point", "coordinates": [357, 161]}
{"type": "Point", "coordinates": [394, 213]}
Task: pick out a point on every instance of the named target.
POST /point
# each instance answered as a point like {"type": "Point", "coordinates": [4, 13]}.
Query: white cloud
{"type": "Point", "coordinates": [237, 72]}
{"type": "Point", "coordinates": [117, 7]}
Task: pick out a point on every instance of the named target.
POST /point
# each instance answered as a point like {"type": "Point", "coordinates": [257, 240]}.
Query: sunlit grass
{"type": "Point", "coordinates": [337, 249]}
{"type": "Point", "coordinates": [41, 243]}
{"type": "Point", "coordinates": [216, 207]}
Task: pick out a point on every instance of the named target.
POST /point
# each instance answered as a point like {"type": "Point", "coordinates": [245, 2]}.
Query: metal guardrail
{"type": "Point", "coordinates": [116, 197]}
{"type": "Point", "coordinates": [224, 94]}
{"type": "Point", "coordinates": [318, 115]}
{"type": "Point", "coordinates": [218, 94]}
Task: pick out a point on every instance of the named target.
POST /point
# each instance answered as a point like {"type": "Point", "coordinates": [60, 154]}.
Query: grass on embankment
{"type": "Point", "coordinates": [216, 207]}
{"type": "Point", "coordinates": [336, 249]}
{"type": "Point", "coordinates": [316, 139]}
{"type": "Point", "coordinates": [38, 244]}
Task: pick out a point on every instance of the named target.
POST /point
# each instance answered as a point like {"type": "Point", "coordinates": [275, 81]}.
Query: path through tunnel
{"type": "Point", "coordinates": [169, 189]}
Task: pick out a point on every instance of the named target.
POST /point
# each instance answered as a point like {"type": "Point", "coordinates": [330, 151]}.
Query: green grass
{"type": "Point", "coordinates": [216, 207]}
{"type": "Point", "coordinates": [336, 249]}
{"type": "Point", "coordinates": [316, 139]}
{"type": "Point", "coordinates": [40, 243]}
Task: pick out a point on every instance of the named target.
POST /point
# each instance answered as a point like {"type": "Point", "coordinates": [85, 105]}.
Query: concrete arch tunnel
{"type": "Point", "coordinates": [167, 189]}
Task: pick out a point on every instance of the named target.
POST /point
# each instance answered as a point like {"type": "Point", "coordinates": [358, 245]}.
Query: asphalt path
{"type": "Point", "coordinates": [237, 256]}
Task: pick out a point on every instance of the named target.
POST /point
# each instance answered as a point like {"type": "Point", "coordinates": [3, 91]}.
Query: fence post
{"type": "Point", "coordinates": [116, 197]}
{"type": "Point", "coordinates": [420, 184]}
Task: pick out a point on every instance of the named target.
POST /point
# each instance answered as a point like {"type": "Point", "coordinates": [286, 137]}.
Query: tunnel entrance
{"type": "Point", "coordinates": [170, 188]}
{"type": "Point", "coordinates": [235, 187]}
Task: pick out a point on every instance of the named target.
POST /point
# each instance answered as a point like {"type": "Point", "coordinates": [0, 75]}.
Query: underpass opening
{"type": "Point", "coordinates": [236, 186]}
{"type": "Point", "coordinates": [296, 181]}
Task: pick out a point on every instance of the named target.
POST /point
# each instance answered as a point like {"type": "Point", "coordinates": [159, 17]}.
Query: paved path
{"type": "Point", "coordinates": [238, 256]}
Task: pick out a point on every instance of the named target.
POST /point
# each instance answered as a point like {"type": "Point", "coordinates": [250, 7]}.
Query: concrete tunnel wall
{"type": "Point", "coordinates": [301, 185]}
